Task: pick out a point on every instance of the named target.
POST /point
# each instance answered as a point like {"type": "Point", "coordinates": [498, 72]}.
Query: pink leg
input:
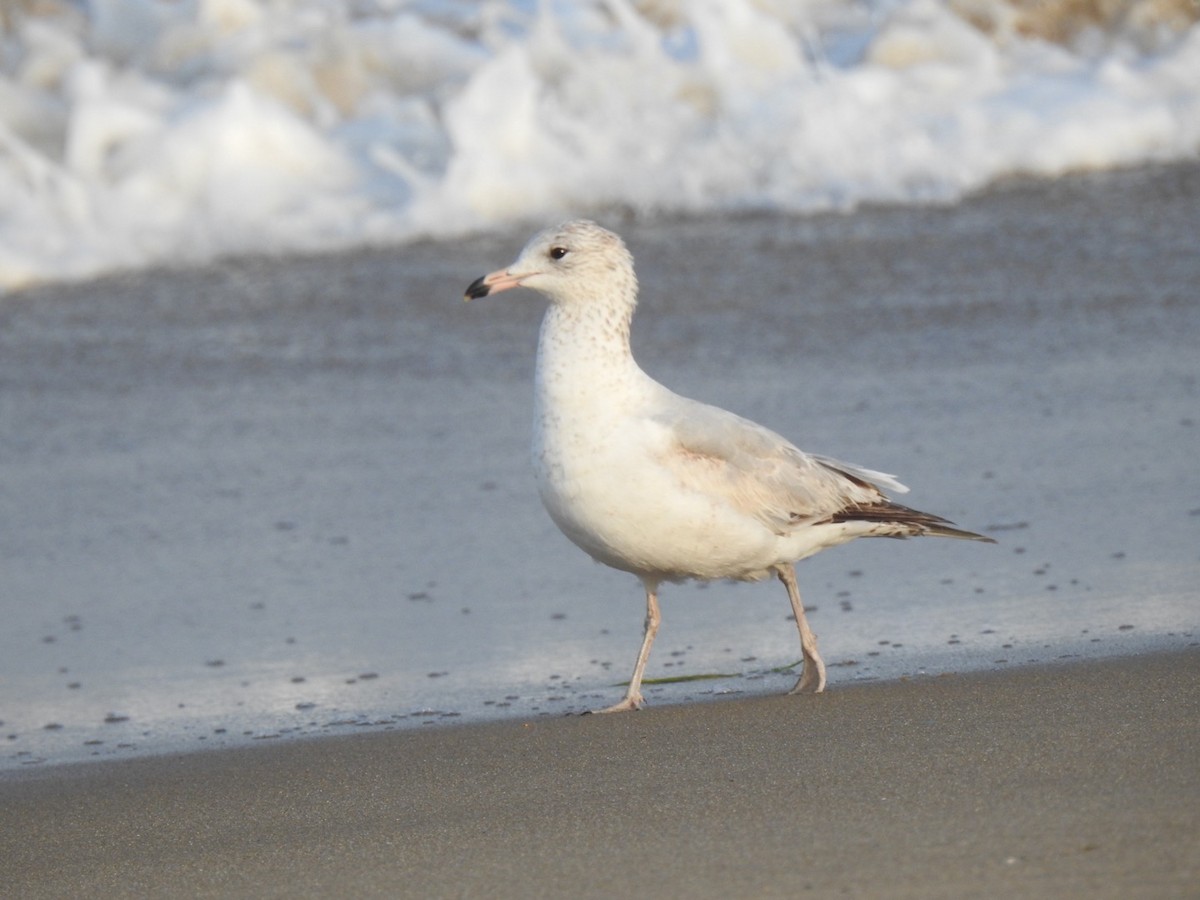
{"type": "Point", "coordinates": [633, 696]}
{"type": "Point", "coordinates": [812, 677]}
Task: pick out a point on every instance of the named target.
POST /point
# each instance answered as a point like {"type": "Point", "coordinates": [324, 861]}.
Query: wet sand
{"type": "Point", "coordinates": [1078, 780]}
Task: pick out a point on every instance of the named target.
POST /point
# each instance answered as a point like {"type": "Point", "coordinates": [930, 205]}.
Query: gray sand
{"type": "Point", "coordinates": [1081, 780]}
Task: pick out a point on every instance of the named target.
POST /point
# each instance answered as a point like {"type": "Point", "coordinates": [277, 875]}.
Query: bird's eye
{"type": "Point", "coordinates": [558, 252]}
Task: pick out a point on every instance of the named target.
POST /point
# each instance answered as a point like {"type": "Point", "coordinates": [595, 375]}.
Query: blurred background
{"type": "Point", "coordinates": [148, 132]}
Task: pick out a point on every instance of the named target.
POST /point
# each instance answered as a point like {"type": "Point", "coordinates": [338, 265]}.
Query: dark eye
{"type": "Point", "coordinates": [558, 252]}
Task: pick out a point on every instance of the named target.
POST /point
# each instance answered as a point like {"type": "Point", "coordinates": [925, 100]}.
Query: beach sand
{"type": "Point", "coordinates": [1078, 780]}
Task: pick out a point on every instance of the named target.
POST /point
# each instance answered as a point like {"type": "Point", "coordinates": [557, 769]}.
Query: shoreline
{"type": "Point", "coordinates": [1076, 779]}
{"type": "Point", "coordinates": [194, 737]}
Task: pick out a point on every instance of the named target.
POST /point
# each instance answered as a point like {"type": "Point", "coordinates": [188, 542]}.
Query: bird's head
{"type": "Point", "coordinates": [567, 262]}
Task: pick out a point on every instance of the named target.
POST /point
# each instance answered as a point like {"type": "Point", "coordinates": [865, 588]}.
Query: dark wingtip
{"type": "Point", "coordinates": [922, 523]}
{"type": "Point", "coordinates": [943, 531]}
{"type": "Point", "coordinates": [477, 289]}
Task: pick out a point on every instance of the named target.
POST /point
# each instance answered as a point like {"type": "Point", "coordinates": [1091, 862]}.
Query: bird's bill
{"type": "Point", "coordinates": [494, 283]}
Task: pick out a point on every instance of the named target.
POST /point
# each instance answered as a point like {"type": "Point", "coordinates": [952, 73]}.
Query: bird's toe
{"type": "Point", "coordinates": [629, 703]}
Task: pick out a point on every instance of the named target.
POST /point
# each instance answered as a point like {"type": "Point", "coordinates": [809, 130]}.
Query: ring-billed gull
{"type": "Point", "coordinates": [665, 487]}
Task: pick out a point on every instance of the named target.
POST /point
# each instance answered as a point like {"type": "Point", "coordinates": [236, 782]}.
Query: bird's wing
{"type": "Point", "coordinates": [759, 472]}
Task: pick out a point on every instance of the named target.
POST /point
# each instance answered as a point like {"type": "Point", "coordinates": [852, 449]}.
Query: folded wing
{"type": "Point", "coordinates": [762, 474]}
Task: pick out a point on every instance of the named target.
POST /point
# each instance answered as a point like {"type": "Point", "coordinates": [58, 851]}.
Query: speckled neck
{"type": "Point", "coordinates": [584, 358]}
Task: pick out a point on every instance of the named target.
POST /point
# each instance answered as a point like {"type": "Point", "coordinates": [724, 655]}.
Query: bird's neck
{"type": "Point", "coordinates": [584, 355]}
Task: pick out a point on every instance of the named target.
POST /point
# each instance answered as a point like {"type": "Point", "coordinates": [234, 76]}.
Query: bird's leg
{"type": "Point", "coordinates": [633, 695]}
{"type": "Point", "coordinates": [812, 677]}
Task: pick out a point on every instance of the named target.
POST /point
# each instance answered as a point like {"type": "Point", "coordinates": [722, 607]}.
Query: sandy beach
{"type": "Point", "coordinates": [284, 617]}
{"type": "Point", "coordinates": [1079, 780]}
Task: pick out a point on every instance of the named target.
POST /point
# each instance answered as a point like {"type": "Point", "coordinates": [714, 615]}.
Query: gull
{"type": "Point", "coordinates": [667, 488]}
